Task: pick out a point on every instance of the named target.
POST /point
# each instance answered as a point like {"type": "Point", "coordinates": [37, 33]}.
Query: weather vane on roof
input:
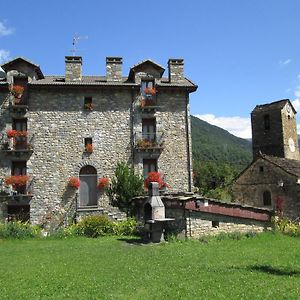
{"type": "Point", "coordinates": [76, 39]}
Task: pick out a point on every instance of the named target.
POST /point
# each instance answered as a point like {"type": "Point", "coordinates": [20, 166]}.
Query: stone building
{"type": "Point", "coordinates": [81, 126]}
{"type": "Point", "coordinates": [272, 180]}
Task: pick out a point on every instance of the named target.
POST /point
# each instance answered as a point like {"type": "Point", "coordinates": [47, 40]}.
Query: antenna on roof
{"type": "Point", "coordinates": [76, 39]}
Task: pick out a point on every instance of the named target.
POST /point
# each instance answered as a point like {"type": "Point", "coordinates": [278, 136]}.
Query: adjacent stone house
{"type": "Point", "coordinates": [272, 180]}
{"type": "Point", "coordinates": [81, 126]}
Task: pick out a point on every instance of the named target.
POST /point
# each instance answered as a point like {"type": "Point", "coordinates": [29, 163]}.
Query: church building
{"type": "Point", "coordinates": [272, 180]}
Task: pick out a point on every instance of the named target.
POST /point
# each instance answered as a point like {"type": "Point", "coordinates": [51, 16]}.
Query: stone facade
{"type": "Point", "coordinates": [270, 176]}
{"type": "Point", "coordinates": [62, 113]}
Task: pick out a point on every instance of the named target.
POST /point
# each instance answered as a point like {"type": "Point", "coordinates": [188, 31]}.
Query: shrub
{"type": "Point", "coordinates": [125, 185]}
{"type": "Point", "coordinates": [286, 226]}
{"type": "Point", "coordinates": [100, 225]}
{"type": "Point", "coordinates": [94, 226]}
{"type": "Point", "coordinates": [125, 227]}
{"type": "Point", "coordinates": [19, 230]}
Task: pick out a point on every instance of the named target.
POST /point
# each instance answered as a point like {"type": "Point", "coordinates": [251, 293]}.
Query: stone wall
{"type": "Point", "coordinates": [210, 224]}
{"type": "Point", "coordinates": [60, 125]}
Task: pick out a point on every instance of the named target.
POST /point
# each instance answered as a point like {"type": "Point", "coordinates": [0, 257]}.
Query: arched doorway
{"type": "Point", "coordinates": [88, 186]}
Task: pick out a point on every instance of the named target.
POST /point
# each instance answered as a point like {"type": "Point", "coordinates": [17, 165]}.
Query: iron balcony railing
{"type": "Point", "coordinates": [148, 140]}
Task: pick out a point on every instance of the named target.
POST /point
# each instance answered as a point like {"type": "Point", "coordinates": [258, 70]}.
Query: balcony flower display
{"type": "Point", "coordinates": [88, 106]}
{"type": "Point", "coordinates": [145, 143]}
{"type": "Point", "coordinates": [17, 91]}
{"type": "Point", "coordinates": [155, 177]}
{"type": "Point", "coordinates": [11, 133]}
{"type": "Point", "coordinates": [150, 91]}
{"type": "Point", "coordinates": [89, 148]}
{"type": "Point", "coordinates": [74, 182]}
{"type": "Point", "coordinates": [16, 181]}
{"type": "Point", "coordinates": [103, 182]}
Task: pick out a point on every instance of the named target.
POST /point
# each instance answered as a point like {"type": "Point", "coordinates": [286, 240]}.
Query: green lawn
{"type": "Point", "coordinates": [264, 267]}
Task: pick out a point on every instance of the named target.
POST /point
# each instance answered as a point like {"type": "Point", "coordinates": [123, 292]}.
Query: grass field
{"type": "Point", "coordinates": [263, 267]}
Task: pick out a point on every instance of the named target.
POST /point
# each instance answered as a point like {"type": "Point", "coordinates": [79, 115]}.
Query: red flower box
{"type": "Point", "coordinates": [103, 183]}
{"type": "Point", "coordinates": [89, 148]}
{"type": "Point", "coordinates": [155, 177]}
{"type": "Point", "coordinates": [74, 182]}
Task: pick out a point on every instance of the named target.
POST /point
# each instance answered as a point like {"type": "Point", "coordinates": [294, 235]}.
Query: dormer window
{"type": "Point", "coordinates": [88, 103]}
{"type": "Point", "coordinates": [147, 87]}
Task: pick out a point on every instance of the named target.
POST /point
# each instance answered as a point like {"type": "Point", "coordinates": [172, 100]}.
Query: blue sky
{"type": "Point", "coordinates": [240, 53]}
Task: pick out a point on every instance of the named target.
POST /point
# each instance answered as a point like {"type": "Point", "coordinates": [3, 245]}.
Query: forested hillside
{"type": "Point", "coordinates": [211, 143]}
{"type": "Point", "coordinates": [218, 157]}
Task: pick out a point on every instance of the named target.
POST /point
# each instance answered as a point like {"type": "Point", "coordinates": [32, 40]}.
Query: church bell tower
{"type": "Point", "coordinates": [274, 130]}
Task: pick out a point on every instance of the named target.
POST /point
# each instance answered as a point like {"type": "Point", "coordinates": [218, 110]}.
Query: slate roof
{"type": "Point", "coordinates": [101, 80]}
{"type": "Point", "coordinates": [273, 105]}
{"type": "Point", "coordinates": [290, 166]}
{"type": "Point", "coordinates": [6, 66]}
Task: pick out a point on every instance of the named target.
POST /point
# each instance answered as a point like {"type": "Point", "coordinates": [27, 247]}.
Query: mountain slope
{"type": "Point", "coordinates": [210, 142]}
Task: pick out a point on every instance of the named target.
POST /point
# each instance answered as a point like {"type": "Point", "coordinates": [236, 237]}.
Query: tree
{"type": "Point", "coordinates": [214, 180]}
{"type": "Point", "coordinates": [124, 186]}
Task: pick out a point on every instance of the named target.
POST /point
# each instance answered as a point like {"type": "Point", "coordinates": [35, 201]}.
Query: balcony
{"type": "Point", "coordinates": [148, 142]}
{"type": "Point", "coordinates": [19, 145]}
{"type": "Point", "coordinates": [16, 188]}
{"type": "Point", "coordinates": [148, 102]}
{"type": "Point", "coordinates": [19, 106]}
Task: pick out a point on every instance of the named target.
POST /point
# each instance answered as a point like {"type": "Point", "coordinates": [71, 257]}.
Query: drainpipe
{"type": "Point", "coordinates": [188, 130]}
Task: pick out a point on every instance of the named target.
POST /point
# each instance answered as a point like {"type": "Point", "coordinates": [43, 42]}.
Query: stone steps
{"type": "Point", "coordinates": [112, 212]}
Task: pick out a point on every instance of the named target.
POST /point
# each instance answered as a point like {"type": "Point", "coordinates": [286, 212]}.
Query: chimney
{"type": "Point", "coordinates": [73, 68]}
{"type": "Point", "coordinates": [176, 66]}
{"type": "Point", "coordinates": [114, 68]}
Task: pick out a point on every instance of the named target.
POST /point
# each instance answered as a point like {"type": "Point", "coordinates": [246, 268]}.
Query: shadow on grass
{"type": "Point", "coordinates": [274, 271]}
{"type": "Point", "coordinates": [134, 241]}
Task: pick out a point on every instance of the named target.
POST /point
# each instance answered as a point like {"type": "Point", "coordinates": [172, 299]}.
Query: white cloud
{"type": "Point", "coordinates": [285, 62]}
{"type": "Point", "coordinates": [5, 30]}
{"type": "Point", "coordinates": [4, 55]}
{"type": "Point", "coordinates": [237, 126]}
{"type": "Point", "coordinates": [296, 104]}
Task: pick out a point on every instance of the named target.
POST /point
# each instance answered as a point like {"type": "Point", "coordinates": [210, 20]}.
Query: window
{"type": "Point", "coordinates": [267, 198]}
{"type": "Point", "coordinates": [146, 84]}
{"type": "Point", "coordinates": [18, 168]}
{"type": "Point", "coordinates": [261, 169]}
{"type": "Point", "coordinates": [21, 139]}
{"type": "Point", "coordinates": [267, 122]}
{"type": "Point", "coordinates": [149, 165]}
{"type": "Point", "coordinates": [88, 103]}
{"type": "Point", "coordinates": [88, 144]}
{"type": "Point", "coordinates": [149, 129]}
{"type": "Point", "coordinates": [21, 81]}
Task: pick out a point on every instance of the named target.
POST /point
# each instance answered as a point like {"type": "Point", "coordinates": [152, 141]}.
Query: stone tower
{"type": "Point", "coordinates": [274, 130]}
